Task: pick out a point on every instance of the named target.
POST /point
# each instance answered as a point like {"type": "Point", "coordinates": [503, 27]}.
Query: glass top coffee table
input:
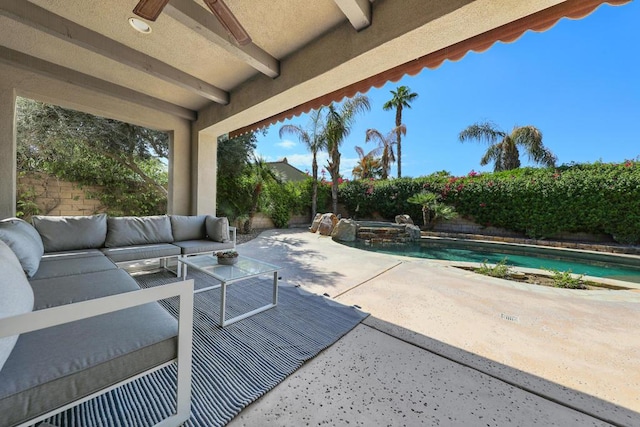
{"type": "Point", "coordinates": [244, 268]}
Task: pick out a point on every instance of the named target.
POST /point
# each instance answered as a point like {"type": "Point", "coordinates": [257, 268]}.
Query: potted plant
{"type": "Point", "coordinates": [229, 257]}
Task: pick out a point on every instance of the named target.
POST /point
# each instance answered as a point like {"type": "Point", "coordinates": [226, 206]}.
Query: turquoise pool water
{"type": "Point", "coordinates": [597, 265]}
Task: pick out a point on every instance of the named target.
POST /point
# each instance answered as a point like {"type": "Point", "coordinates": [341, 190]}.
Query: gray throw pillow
{"type": "Point", "coordinates": [138, 230]}
{"type": "Point", "coordinates": [24, 241]}
{"type": "Point", "coordinates": [218, 229]}
{"type": "Point", "coordinates": [66, 233]}
{"type": "Point", "coordinates": [188, 227]}
{"type": "Point", "coordinates": [17, 295]}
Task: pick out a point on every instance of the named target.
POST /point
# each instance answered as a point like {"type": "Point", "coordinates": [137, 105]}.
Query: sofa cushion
{"type": "Point", "coordinates": [138, 230]}
{"type": "Point", "coordinates": [65, 233]}
{"type": "Point", "coordinates": [56, 366]}
{"type": "Point", "coordinates": [63, 264]}
{"type": "Point", "coordinates": [24, 241]}
{"type": "Point", "coordinates": [188, 227]}
{"type": "Point", "coordinates": [139, 252]}
{"type": "Point", "coordinates": [55, 291]}
{"type": "Point", "coordinates": [190, 247]}
{"type": "Point", "coordinates": [51, 367]}
{"type": "Point", "coordinates": [16, 295]}
{"type": "Point", "coordinates": [217, 228]}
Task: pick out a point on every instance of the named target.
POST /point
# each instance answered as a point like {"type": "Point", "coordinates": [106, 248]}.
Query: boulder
{"type": "Point", "coordinates": [344, 231]}
{"type": "Point", "coordinates": [327, 222]}
{"type": "Point", "coordinates": [404, 219]}
{"type": "Point", "coordinates": [413, 231]}
{"type": "Point", "coordinates": [316, 223]}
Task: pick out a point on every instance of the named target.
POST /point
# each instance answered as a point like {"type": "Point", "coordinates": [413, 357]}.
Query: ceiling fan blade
{"type": "Point", "coordinates": [150, 9]}
{"type": "Point", "coordinates": [229, 21]}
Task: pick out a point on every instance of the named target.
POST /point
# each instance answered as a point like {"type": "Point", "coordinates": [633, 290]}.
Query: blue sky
{"type": "Point", "coordinates": [577, 82]}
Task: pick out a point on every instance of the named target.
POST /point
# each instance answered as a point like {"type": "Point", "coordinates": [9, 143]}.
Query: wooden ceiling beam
{"type": "Point", "coordinates": [47, 69]}
{"type": "Point", "coordinates": [200, 21]}
{"type": "Point", "coordinates": [357, 11]}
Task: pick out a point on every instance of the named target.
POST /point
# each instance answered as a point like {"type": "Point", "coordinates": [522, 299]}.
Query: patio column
{"type": "Point", "coordinates": [205, 163]}
{"type": "Point", "coordinates": [8, 176]}
{"type": "Point", "coordinates": [179, 199]}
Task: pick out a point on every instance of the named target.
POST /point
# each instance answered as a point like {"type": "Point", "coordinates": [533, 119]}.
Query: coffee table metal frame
{"type": "Point", "coordinates": [245, 268]}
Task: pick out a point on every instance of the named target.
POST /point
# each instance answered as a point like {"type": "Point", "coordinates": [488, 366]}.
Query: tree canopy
{"type": "Point", "coordinates": [234, 162]}
{"type": "Point", "coordinates": [128, 160]}
{"type": "Point", "coordinates": [401, 99]}
{"type": "Point", "coordinates": [340, 120]}
{"type": "Point", "coordinates": [503, 148]}
{"type": "Point", "coordinates": [314, 137]}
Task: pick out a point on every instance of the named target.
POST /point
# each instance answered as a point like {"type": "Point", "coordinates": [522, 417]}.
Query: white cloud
{"type": "Point", "coordinates": [286, 143]}
{"type": "Point", "coordinates": [266, 157]}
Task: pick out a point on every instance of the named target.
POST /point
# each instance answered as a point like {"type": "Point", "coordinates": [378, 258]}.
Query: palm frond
{"type": "Point", "coordinates": [296, 131]}
{"type": "Point", "coordinates": [493, 154]}
{"type": "Point", "coordinates": [486, 131]}
{"type": "Point", "coordinates": [530, 138]}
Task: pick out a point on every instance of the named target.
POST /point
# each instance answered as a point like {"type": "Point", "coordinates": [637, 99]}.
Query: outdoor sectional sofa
{"type": "Point", "coordinates": [74, 325]}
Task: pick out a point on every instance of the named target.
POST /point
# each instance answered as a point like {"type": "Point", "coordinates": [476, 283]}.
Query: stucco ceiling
{"type": "Point", "coordinates": [301, 50]}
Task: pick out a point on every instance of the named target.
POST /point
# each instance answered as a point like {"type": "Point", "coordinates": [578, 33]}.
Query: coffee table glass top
{"type": "Point", "coordinates": [245, 267]}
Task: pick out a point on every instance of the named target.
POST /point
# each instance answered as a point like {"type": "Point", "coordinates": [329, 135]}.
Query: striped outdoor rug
{"type": "Point", "coordinates": [233, 366]}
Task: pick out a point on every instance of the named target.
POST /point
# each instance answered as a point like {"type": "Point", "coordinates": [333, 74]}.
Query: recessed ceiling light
{"type": "Point", "coordinates": [140, 25]}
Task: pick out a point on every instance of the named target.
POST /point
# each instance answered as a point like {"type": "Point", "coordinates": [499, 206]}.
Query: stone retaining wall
{"type": "Point", "coordinates": [391, 234]}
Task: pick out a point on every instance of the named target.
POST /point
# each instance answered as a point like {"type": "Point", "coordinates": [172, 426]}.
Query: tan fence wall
{"type": "Point", "coordinates": [57, 197]}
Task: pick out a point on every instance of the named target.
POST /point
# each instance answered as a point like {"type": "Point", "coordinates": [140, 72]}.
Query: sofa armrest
{"type": "Point", "coordinates": [41, 319]}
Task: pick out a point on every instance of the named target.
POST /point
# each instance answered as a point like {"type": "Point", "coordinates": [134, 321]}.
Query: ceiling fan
{"type": "Point", "coordinates": [151, 9]}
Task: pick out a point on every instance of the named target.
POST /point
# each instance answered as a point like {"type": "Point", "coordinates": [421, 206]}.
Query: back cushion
{"type": "Point", "coordinates": [218, 229]}
{"type": "Point", "coordinates": [138, 230]}
{"type": "Point", "coordinates": [24, 241]}
{"type": "Point", "coordinates": [187, 227]}
{"type": "Point", "coordinates": [66, 233]}
{"type": "Point", "coordinates": [17, 295]}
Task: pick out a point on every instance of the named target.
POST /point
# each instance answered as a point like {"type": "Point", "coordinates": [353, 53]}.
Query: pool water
{"type": "Point", "coordinates": [596, 265]}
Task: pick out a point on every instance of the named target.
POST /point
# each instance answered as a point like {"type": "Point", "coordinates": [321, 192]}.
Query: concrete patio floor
{"type": "Point", "coordinates": [444, 346]}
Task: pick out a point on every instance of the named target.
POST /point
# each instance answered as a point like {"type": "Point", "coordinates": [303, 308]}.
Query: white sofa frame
{"type": "Point", "coordinates": [41, 319]}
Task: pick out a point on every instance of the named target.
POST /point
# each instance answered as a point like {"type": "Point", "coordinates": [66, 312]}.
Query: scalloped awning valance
{"type": "Point", "coordinates": [541, 21]}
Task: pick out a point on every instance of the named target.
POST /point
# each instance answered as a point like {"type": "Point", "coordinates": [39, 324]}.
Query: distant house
{"type": "Point", "coordinates": [287, 172]}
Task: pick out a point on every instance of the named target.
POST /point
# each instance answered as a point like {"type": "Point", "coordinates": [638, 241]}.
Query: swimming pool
{"type": "Point", "coordinates": [624, 268]}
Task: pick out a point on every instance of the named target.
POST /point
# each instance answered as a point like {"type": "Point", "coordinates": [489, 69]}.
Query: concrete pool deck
{"type": "Point", "coordinates": [450, 347]}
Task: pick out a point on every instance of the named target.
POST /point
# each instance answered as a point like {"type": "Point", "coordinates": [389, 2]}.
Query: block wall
{"type": "Point", "coordinates": [54, 196]}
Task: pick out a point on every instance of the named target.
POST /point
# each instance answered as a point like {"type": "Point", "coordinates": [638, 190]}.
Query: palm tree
{"type": "Point", "coordinates": [385, 146]}
{"type": "Point", "coordinates": [338, 125]}
{"type": "Point", "coordinates": [314, 138]}
{"type": "Point", "coordinates": [368, 166]}
{"type": "Point", "coordinates": [402, 98]}
{"type": "Point", "coordinates": [503, 148]}
{"type": "Point", "coordinates": [432, 209]}
{"type": "Point", "coordinates": [261, 174]}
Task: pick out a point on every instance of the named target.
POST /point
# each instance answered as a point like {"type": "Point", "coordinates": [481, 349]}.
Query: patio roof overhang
{"type": "Point", "coordinates": [190, 78]}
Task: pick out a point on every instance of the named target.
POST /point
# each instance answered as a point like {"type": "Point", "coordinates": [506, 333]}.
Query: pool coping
{"type": "Point", "coordinates": [612, 248]}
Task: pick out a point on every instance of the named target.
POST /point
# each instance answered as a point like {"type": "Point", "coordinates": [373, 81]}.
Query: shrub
{"type": "Point", "coordinates": [501, 269]}
{"type": "Point", "coordinates": [537, 202]}
{"type": "Point", "coordinates": [432, 209]}
{"type": "Point", "coordinates": [305, 189]}
{"type": "Point", "coordinates": [564, 279]}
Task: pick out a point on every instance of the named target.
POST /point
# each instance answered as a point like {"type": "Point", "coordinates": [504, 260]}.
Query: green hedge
{"type": "Point", "coordinates": [591, 198]}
